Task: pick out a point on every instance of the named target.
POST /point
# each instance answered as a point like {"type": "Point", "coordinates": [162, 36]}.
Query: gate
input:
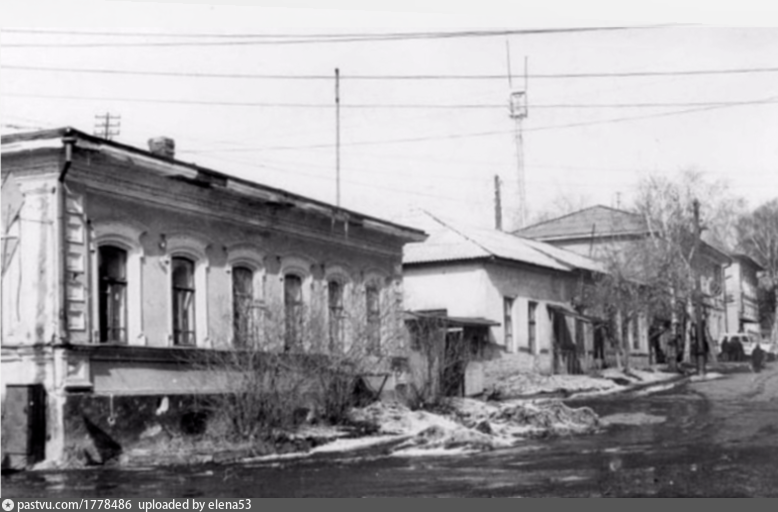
{"type": "Point", "coordinates": [24, 425]}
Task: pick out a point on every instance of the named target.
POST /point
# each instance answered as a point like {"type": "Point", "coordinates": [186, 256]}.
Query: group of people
{"type": "Point", "coordinates": [732, 350]}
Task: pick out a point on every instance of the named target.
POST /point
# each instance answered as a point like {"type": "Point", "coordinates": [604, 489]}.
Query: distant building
{"type": "Point", "coordinates": [741, 284]}
{"type": "Point", "coordinates": [120, 263]}
{"type": "Point", "coordinates": [601, 232]}
{"type": "Point", "coordinates": [526, 289]}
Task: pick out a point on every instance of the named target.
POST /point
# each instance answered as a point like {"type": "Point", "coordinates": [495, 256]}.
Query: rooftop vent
{"type": "Point", "coordinates": [163, 146]}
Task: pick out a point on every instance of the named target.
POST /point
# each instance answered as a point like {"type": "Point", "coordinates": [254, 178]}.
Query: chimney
{"type": "Point", "coordinates": [163, 146]}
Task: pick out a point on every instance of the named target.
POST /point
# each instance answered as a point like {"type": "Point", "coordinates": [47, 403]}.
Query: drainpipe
{"type": "Point", "coordinates": [68, 141]}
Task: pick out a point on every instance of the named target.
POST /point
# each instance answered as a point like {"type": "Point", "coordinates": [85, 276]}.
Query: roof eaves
{"type": "Point", "coordinates": [173, 167]}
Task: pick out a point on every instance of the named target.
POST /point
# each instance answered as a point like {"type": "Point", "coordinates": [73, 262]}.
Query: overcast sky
{"type": "Point", "coordinates": [412, 142]}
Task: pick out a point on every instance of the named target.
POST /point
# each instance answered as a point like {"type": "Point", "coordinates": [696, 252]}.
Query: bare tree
{"type": "Point", "coordinates": [654, 276]}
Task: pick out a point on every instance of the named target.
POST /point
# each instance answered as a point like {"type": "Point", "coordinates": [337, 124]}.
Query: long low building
{"type": "Point", "coordinates": [529, 290]}
{"type": "Point", "coordinates": [120, 265]}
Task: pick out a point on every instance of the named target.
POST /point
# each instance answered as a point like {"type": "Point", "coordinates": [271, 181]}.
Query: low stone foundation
{"type": "Point", "coordinates": [505, 365]}
{"type": "Point", "coordinates": [100, 428]}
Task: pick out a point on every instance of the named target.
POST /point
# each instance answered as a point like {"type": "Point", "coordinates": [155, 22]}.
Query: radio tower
{"type": "Point", "coordinates": [518, 112]}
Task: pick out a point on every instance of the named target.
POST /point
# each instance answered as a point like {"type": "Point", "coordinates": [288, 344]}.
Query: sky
{"type": "Point", "coordinates": [424, 120]}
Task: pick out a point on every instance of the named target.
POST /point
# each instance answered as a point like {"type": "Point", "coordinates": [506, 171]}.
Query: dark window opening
{"type": "Point", "coordinates": [183, 301]}
{"type": "Point", "coordinates": [532, 333]}
{"type": "Point", "coordinates": [336, 314]}
{"type": "Point", "coordinates": [112, 272]}
{"type": "Point", "coordinates": [372, 293]}
{"type": "Point", "coordinates": [293, 308]}
{"type": "Point", "coordinates": [508, 321]}
{"type": "Point", "coordinates": [243, 306]}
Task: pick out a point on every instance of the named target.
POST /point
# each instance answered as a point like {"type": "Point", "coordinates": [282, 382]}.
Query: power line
{"type": "Point", "coordinates": [282, 39]}
{"type": "Point", "coordinates": [769, 100]}
{"type": "Point", "coordinates": [389, 106]}
{"type": "Point", "coordinates": [329, 178]}
{"type": "Point", "coordinates": [772, 99]}
{"type": "Point", "coordinates": [254, 35]}
{"type": "Point", "coordinates": [270, 76]}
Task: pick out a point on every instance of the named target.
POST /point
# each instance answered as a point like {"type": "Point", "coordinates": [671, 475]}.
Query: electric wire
{"type": "Point", "coordinates": [258, 40]}
{"type": "Point", "coordinates": [287, 76]}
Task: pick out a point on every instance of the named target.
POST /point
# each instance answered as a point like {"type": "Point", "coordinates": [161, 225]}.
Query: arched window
{"type": "Point", "coordinates": [243, 307]}
{"type": "Point", "coordinates": [336, 316]}
{"type": "Point", "coordinates": [373, 313]}
{"type": "Point", "coordinates": [112, 307]}
{"type": "Point", "coordinates": [187, 263]}
{"type": "Point", "coordinates": [293, 311]}
{"type": "Point", "coordinates": [117, 267]}
{"type": "Point", "coordinates": [245, 263]}
{"type": "Point", "coordinates": [183, 280]}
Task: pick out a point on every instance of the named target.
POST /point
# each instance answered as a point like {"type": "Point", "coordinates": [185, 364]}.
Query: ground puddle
{"type": "Point", "coordinates": [632, 418]}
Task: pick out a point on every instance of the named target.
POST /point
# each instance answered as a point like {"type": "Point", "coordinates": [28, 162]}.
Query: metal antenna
{"type": "Point", "coordinates": [518, 111]}
{"type": "Point", "coordinates": [337, 137]}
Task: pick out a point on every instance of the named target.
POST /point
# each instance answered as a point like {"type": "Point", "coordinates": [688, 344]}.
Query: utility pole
{"type": "Point", "coordinates": [105, 128]}
{"type": "Point", "coordinates": [497, 205]}
{"type": "Point", "coordinates": [699, 341]}
{"type": "Point", "coordinates": [337, 137]}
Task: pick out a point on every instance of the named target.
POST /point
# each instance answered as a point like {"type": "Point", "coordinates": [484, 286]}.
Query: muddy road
{"type": "Point", "coordinates": [716, 438]}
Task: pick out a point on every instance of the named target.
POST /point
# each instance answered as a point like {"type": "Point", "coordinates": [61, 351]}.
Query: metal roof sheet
{"type": "Point", "coordinates": [450, 241]}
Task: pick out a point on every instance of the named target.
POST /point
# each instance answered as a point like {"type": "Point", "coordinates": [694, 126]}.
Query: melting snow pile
{"type": "Point", "coordinates": [472, 425]}
{"type": "Point", "coordinates": [608, 381]}
{"type": "Point", "coordinates": [531, 384]}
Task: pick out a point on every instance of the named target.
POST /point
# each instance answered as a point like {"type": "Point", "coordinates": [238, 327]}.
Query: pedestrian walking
{"type": "Point", "coordinates": [726, 349]}
{"type": "Point", "coordinates": [757, 358]}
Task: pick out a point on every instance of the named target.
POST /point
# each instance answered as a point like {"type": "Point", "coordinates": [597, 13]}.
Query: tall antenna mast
{"type": "Point", "coordinates": [518, 112]}
{"type": "Point", "coordinates": [337, 137]}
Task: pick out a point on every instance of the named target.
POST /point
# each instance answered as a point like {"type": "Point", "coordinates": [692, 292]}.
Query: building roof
{"type": "Point", "coordinates": [743, 257]}
{"type": "Point", "coordinates": [598, 220]}
{"type": "Point", "coordinates": [450, 241]}
{"type": "Point", "coordinates": [54, 138]}
{"type": "Point", "coordinates": [604, 222]}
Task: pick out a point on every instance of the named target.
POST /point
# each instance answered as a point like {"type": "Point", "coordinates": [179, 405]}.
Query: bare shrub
{"type": "Point", "coordinates": [286, 365]}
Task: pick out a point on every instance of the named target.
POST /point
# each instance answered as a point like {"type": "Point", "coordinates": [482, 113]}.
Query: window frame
{"type": "Point", "coordinates": [246, 255]}
{"type": "Point", "coordinates": [508, 328]}
{"type": "Point", "coordinates": [335, 273]}
{"type": "Point", "coordinates": [190, 315]}
{"type": "Point", "coordinates": [373, 316]}
{"type": "Point", "coordinates": [294, 340]}
{"type": "Point", "coordinates": [300, 266]}
{"type": "Point", "coordinates": [105, 298]}
{"type": "Point", "coordinates": [532, 326]}
{"type": "Point", "coordinates": [189, 246]}
{"type": "Point", "coordinates": [127, 236]}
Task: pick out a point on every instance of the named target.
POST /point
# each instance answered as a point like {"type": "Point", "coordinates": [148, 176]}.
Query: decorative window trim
{"type": "Point", "coordinates": [301, 267]}
{"type": "Point", "coordinates": [194, 248]}
{"type": "Point", "coordinates": [379, 279]}
{"type": "Point", "coordinates": [341, 275]}
{"type": "Point", "coordinates": [244, 255]}
{"type": "Point", "coordinates": [249, 256]}
{"type": "Point", "coordinates": [127, 236]}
